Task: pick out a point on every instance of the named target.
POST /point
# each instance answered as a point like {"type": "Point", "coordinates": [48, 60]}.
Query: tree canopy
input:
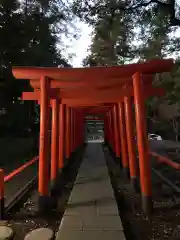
{"type": "Point", "coordinates": [31, 32]}
{"type": "Point", "coordinates": [135, 31]}
{"type": "Point", "coordinates": [91, 10]}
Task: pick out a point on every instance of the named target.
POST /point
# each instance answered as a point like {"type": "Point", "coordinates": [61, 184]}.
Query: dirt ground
{"type": "Point", "coordinates": [165, 222]}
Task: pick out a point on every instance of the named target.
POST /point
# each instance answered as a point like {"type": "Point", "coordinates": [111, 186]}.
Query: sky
{"type": "Point", "coordinates": [80, 46]}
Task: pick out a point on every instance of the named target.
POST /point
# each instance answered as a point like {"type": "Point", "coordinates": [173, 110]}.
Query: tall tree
{"type": "Point", "coordinates": [110, 42]}
{"type": "Point", "coordinates": [33, 26]}
{"type": "Point", "coordinates": [30, 31]}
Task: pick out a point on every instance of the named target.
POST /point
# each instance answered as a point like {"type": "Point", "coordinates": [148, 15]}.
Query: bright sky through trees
{"type": "Point", "coordinates": [80, 46]}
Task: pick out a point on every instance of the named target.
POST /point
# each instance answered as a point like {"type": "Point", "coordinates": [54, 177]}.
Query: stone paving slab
{"type": "Point", "coordinates": [102, 223]}
{"type": "Point", "coordinates": [92, 211]}
{"type": "Point", "coordinates": [91, 235]}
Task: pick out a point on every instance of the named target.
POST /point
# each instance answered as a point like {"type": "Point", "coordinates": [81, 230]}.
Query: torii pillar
{"type": "Point", "coordinates": [116, 132]}
{"type": "Point", "coordinates": [143, 146]}
{"type": "Point", "coordinates": [62, 114]}
{"type": "Point", "coordinates": [54, 141]}
{"type": "Point", "coordinates": [123, 139]}
{"type": "Point", "coordinates": [43, 180]}
{"type": "Point", "coordinates": [68, 133]}
{"type": "Point", "coordinates": [130, 143]}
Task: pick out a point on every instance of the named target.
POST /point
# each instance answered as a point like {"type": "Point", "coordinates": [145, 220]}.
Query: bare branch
{"type": "Point", "coordinates": [145, 4]}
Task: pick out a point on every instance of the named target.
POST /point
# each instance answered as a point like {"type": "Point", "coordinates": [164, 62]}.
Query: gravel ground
{"type": "Point", "coordinates": [165, 222]}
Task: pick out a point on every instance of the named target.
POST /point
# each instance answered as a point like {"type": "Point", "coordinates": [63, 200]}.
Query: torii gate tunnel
{"type": "Point", "coordinates": [74, 93]}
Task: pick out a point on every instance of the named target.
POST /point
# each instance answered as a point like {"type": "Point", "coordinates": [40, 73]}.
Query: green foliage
{"type": "Point", "coordinates": [121, 37]}
{"type": "Point", "coordinates": [111, 37]}
{"type": "Point", "coordinates": [90, 11]}
{"type": "Point", "coordinates": [29, 37]}
{"type": "Point", "coordinates": [30, 31]}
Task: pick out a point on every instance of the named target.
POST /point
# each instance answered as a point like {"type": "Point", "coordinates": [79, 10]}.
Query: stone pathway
{"type": "Point", "coordinates": [92, 212]}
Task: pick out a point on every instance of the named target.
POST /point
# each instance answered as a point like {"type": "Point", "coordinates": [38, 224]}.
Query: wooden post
{"type": "Point", "coordinates": [68, 132]}
{"type": "Point", "coordinates": [123, 139]}
{"type": "Point", "coordinates": [131, 142]}
{"type": "Point", "coordinates": [111, 131]}
{"type": "Point", "coordinates": [54, 140]}
{"type": "Point", "coordinates": [78, 132]}
{"type": "Point", "coordinates": [72, 130]}
{"type": "Point", "coordinates": [43, 145]}
{"type": "Point", "coordinates": [79, 129]}
{"type": "Point", "coordinates": [82, 130]}
{"type": "Point", "coordinates": [108, 129]}
{"type": "Point", "coordinates": [116, 131]}
{"type": "Point", "coordinates": [105, 129]}
{"type": "Point", "coordinates": [61, 135]}
{"type": "Point", "coordinates": [142, 142]}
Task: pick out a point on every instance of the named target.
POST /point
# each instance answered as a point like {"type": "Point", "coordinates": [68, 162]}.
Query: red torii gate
{"type": "Point", "coordinates": [79, 89]}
